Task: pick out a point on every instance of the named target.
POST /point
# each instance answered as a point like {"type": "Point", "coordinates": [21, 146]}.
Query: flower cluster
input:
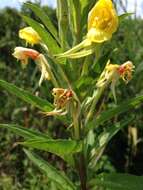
{"type": "Point", "coordinates": [102, 23]}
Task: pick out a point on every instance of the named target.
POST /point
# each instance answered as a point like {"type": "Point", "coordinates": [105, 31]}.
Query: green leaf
{"type": "Point", "coordinates": [123, 107]}
{"type": "Point", "coordinates": [107, 135]}
{"type": "Point", "coordinates": [24, 132]}
{"type": "Point", "coordinates": [118, 181]}
{"type": "Point", "coordinates": [26, 96]}
{"type": "Point", "coordinates": [59, 147]}
{"type": "Point", "coordinates": [45, 35]}
{"type": "Point", "coordinates": [30, 134]}
{"type": "Point", "coordinates": [39, 12]}
{"type": "Point", "coordinates": [101, 140]}
{"type": "Point", "coordinates": [63, 22]}
{"type": "Point", "coordinates": [52, 173]}
{"type": "Point", "coordinates": [84, 81]}
{"type": "Point", "coordinates": [123, 16]}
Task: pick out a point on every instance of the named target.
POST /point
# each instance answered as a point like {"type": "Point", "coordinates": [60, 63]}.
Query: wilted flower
{"type": "Point", "coordinates": [23, 54]}
{"type": "Point", "coordinates": [113, 72]}
{"type": "Point", "coordinates": [30, 35]}
{"type": "Point", "coordinates": [44, 68]}
{"type": "Point", "coordinates": [62, 99]}
{"type": "Point", "coordinates": [125, 71]}
{"type": "Point", "coordinates": [109, 74]}
{"type": "Point", "coordinates": [102, 21]}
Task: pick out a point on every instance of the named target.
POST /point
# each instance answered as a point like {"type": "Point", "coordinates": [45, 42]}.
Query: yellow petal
{"type": "Point", "coordinates": [98, 36]}
{"type": "Point", "coordinates": [30, 35]}
{"type": "Point", "coordinates": [102, 21]}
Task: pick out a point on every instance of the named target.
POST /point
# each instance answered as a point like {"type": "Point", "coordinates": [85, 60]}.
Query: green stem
{"type": "Point", "coordinates": [77, 8]}
{"type": "Point", "coordinates": [86, 65]}
{"type": "Point", "coordinates": [94, 102]}
{"type": "Point", "coordinates": [75, 115]}
{"type": "Point", "coordinates": [62, 15]}
{"type": "Point", "coordinates": [82, 172]}
{"type": "Point", "coordinates": [79, 159]}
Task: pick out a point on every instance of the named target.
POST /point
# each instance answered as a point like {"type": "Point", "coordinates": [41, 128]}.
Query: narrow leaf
{"type": "Point", "coordinates": [24, 132]}
{"type": "Point", "coordinates": [107, 135]}
{"type": "Point", "coordinates": [51, 172]}
{"type": "Point", "coordinates": [45, 35]}
{"type": "Point", "coordinates": [123, 16]}
{"type": "Point", "coordinates": [26, 96]}
{"type": "Point", "coordinates": [118, 181]}
{"type": "Point", "coordinates": [59, 147]}
{"type": "Point", "coordinates": [107, 115]}
{"type": "Point", "coordinates": [63, 22]}
{"type": "Point", "coordinates": [39, 12]}
{"type": "Point", "coordinates": [31, 134]}
{"type": "Point", "coordinates": [102, 140]}
{"type": "Point", "coordinates": [86, 7]}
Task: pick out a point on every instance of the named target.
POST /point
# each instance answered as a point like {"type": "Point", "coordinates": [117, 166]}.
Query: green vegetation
{"type": "Point", "coordinates": [112, 139]}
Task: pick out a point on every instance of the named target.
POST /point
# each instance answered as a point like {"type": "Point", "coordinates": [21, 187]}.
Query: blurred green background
{"type": "Point", "coordinates": [123, 154]}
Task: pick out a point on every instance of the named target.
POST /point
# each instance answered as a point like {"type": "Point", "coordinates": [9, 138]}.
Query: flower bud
{"type": "Point", "coordinates": [30, 35]}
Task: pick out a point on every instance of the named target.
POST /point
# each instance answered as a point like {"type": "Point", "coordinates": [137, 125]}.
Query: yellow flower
{"type": "Point", "coordinates": [30, 35]}
{"type": "Point", "coordinates": [102, 21]}
{"type": "Point", "coordinates": [23, 54]}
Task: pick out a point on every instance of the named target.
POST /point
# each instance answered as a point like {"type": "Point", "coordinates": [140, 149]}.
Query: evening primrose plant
{"type": "Point", "coordinates": [71, 59]}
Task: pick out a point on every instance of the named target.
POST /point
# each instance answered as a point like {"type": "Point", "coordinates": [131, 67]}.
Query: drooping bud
{"type": "Point", "coordinates": [29, 35]}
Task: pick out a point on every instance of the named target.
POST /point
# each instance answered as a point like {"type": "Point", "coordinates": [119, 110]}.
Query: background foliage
{"type": "Point", "coordinates": [128, 43]}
